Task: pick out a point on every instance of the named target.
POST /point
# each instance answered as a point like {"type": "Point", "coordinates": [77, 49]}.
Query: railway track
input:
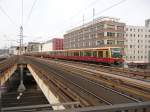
{"type": "Point", "coordinates": [135, 74]}
{"type": "Point", "coordinates": [5, 64]}
{"type": "Point", "coordinates": [131, 87]}
{"type": "Point", "coordinates": [84, 86]}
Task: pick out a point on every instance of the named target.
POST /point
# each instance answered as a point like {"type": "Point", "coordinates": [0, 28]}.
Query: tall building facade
{"type": "Point", "coordinates": [137, 44]}
{"type": "Point", "coordinates": [50, 45]}
{"type": "Point", "coordinates": [101, 32]}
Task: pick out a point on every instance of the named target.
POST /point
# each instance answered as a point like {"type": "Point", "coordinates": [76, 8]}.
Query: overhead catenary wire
{"type": "Point", "coordinates": [95, 15]}
{"type": "Point", "coordinates": [79, 12]}
{"type": "Point", "coordinates": [30, 13]}
{"type": "Point", "coordinates": [110, 7]}
{"type": "Point", "coordinates": [9, 18]}
{"type": "Point", "coordinates": [104, 10]}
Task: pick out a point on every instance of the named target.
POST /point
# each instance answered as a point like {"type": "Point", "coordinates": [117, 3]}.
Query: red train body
{"type": "Point", "coordinates": [107, 55]}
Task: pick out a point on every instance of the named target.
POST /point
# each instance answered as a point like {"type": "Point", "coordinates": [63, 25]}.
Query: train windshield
{"type": "Point", "coordinates": [116, 52]}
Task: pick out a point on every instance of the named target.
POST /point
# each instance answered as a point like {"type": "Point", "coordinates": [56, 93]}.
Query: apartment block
{"type": "Point", "coordinates": [137, 41]}
{"type": "Point", "coordinates": [101, 32]}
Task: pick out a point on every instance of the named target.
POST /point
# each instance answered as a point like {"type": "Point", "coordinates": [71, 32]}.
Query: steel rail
{"type": "Point", "coordinates": [77, 85]}
{"type": "Point", "coordinates": [79, 75]}
{"type": "Point", "coordinates": [92, 72]}
{"type": "Point", "coordinates": [124, 72]}
{"type": "Point", "coordinates": [125, 95]}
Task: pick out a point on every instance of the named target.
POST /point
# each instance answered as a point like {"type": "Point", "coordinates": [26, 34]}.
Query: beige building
{"type": "Point", "coordinates": [33, 47]}
{"type": "Point", "coordinates": [102, 32]}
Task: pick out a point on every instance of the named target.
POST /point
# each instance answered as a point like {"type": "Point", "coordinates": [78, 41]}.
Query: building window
{"type": "Point", "coordinates": [126, 29]}
{"type": "Point", "coordinates": [100, 42]}
{"type": "Point", "coordinates": [145, 36]}
{"type": "Point", "coordinates": [130, 46]}
{"type": "Point", "coordinates": [120, 28]}
{"type": "Point", "coordinates": [110, 34]}
{"type": "Point", "coordinates": [101, 34]}
{"type": "Point", "coordinates": [138, 35]}
{"type": "Point", "coordinates": [130, 57]}
{"type": "Point", "coordinates": [119, 34]}
{"type": "Point", "coordinates": [110, 42]}
{"type": "Point", "coordinates": [120, 42]}
{"type": "Point", "coordinates": [138, 30]}
{"type": "Point", "coordinates": [130, 29]}
{"type": "Point", "coordinates": [100, 26]}
{"type": "Point", "coordinates": [109, 26]}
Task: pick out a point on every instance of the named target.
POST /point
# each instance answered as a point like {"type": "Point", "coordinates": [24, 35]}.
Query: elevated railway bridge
{"type": "Point", "coordinates": [77, 87]}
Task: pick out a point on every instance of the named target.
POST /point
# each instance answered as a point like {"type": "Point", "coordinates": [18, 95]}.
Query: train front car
{"type": "Point", "coordinates": [117, 55]}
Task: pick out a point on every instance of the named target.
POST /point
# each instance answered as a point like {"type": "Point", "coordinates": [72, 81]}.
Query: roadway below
{"type": "Point", "coordinates": [32, 96]}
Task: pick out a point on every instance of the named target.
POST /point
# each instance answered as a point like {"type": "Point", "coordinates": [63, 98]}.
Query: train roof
{"type": "Point", "coordinates": [85, 49]}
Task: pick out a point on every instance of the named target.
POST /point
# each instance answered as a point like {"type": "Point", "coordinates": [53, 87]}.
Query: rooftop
{"type": "Point", "coordinates": [97, 20]}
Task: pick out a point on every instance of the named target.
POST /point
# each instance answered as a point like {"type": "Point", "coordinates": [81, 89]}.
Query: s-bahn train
{"type": "Point", "coordinates": [105, 55]}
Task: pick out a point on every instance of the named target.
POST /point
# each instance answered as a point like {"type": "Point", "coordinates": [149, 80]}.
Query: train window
{"type": "Point", "coordinates": [87, 53]}
{"type": "Point", "coordinates": [72, 53]}
{"type": "Point", "coordinates": [95, 53]}
{"type": "Point", "coordinates": [100, 54]}
{"type": "Point", "coordinates": [69, 53]}
{"type": "Point", "coordinates": [81, 53]}
{"type": "Point", "coordinates": [76, 53]}
{"type": "Point", "coordinates": [66, 53]}
{"type": "Point", "coordinates": [116, 52]}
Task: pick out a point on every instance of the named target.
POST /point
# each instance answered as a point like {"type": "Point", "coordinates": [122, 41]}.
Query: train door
{"type": "Point", "coordinates": [107, 54]}
{"type": "Point", "coordinates": [100, 54]}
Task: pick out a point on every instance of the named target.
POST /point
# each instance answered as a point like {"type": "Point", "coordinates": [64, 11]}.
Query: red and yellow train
{"type": "Point", "coordinates": [107, 55]}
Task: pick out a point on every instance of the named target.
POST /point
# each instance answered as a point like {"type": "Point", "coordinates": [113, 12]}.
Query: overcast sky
{"type": "Point", "coordinates": [52, 18]}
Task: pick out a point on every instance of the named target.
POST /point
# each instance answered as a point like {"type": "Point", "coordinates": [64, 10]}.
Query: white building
{"type": "Point", "coordinates": [13, 50]}
{"type": "Point", "coordinates": [46, 46]}
{"type": "Point", "coordinates": [137, 41]}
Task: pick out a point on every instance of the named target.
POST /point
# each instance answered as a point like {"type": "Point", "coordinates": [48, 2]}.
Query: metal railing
{"type": "Point", "coordinates": [129, 107]}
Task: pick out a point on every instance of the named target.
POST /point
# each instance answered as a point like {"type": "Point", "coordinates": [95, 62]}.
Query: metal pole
{"type": "Point", "coordinates": [21, 39]}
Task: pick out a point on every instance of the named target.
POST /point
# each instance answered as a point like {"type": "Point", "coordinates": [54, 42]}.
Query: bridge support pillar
{"type": "Point", "coordinates": [52, 99]}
